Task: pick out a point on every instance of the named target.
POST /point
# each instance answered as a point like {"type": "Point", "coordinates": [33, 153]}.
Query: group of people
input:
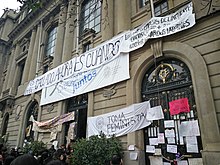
{"type": "Point", "coordinates": [45, 157]}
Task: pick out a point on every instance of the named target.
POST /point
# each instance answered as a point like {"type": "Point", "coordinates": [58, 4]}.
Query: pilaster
{"type": "Point", "coordinates": [60, 36]}
{"type": "Point", "coordinates": [29, 56]}
{"type": "Point", "coordinates": [123, 15]}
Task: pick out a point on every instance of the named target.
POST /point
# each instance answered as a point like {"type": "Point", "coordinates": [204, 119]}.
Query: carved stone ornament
{"type": "Point", "coordinates": [109, 92]}
{"type": "Point", "coordinates": [50, 108]}
{"type": "Point", "coordinates": [17, 112]}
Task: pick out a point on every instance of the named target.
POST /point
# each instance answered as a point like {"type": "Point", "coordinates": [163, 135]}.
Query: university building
{"type": "Point", "coordinates": [180, 65]}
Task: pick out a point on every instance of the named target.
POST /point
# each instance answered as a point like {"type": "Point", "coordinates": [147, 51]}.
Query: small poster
{"type": "Point", "coordinates": [169, 133]}
{"type": "Point", "coordinates": [150, 149]}
{"type": "Point", "coordinates": [171, 140]}
{"type": "Point", "coordinates": [182, 162]}
{"type": "Point", "coordinates": [189, 128]}
{"type": "Point", "coordinates": [133, 155]}
{"type": "Point", "coordinates": [131, 147]}
{"type": "Point", "coordinates": [195, 161]}
{"type": "Point", "coordinates": [168, 123]}
{"type": "Point", "coordinates": [161, 139]}
{"type": "Point", "coordinates": [179, 106]}
{"type": "Point", "coordinates": [192, 148]}
{"type": "Point", "coordinates": [153, 141]}
{"type": "Point", "coordinates": [191, 140]}
{"type": "Point", "coordinates": [172, 148]}
{"type": "Point", "coordinates": [155, 160]}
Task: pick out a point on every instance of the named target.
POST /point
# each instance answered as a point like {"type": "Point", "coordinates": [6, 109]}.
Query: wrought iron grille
{"type": "Point", "coordinates": [164, 82]}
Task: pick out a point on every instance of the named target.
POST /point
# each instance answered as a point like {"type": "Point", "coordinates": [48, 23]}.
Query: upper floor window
{"type": "Point", "coordinates": [51, 41]}
{"type": "Point", "coordinates": [90, 16]}
{"type": "Point", "coordinates": [160, 8]}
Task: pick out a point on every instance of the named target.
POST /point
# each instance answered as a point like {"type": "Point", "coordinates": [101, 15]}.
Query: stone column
{"type": "Point", "coordinates": [60, 36]}
{"type": "Point", "coordinates": [123, 14]}
{"type": "Point", "coordinates": [12, 68]}
{"type": "Point", "coordinates": [29, 56]}
{"type": "Point", "coordinates": [107, 19]}
{"type": "Point", "coordinates": [36, 48]}
{"type": "Point", "coordinates": [69, 33]}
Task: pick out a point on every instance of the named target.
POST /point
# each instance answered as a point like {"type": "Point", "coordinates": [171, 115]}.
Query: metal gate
{"type": "Point", "coordinates": [166, 81]}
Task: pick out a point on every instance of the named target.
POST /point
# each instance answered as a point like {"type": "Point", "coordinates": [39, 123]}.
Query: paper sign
{"type": "Point", "coordinates": [150, 149]}
{"type": "Point", "coordinates": [158, 152]}
{"type": "Point", "coordinates": [131, 148]}
{"type": "Point", "coordinates": [195, 161]}
{"type": "Point", "coordinates": [168, 123]}
{"type": "Point", "coordinates": [182, 162]}
{"type": "Point", "coordinates": [171, 140]}
{"type": "Point", "coordinates": [154, 160]}
{"type": "Point", "coordinates": [189, 128]}
{"type": "Point", "coordinates": [169, 133]}
{"type": "Point", "coordinates": [192, 148]}
{"type": "Point", "coordinates": [155, 113]}
{"type": "Point", "coordinates": [133, 155]}
{"type": "Point", "coordinates": [172, 148]}
{"type": "Point", "coordinates": [161, 139]}
{"type": "Point", "coordinates": [191, 140]}
{"type": "Point", "coordinates": [166, 163]}
{"type": "Point", "coordinates": [153, 141]}
{"type": "Point", "coordinates": [179, 106]}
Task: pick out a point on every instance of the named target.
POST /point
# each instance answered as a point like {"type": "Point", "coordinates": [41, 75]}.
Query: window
{"type": "Point", "coordinates": [90, 16]}
{"type": "Point", "coordinates": [160, 8]}
{"type": "Point", "coordinates": [143, 3]}
{"type": "Point", "coordinates": [51, 41]}
{"type": "Point", "coordinates": [21, 71]}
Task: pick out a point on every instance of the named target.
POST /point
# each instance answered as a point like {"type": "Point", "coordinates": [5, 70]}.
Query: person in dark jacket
{"type": "Point", "coordinates": [25, 159]}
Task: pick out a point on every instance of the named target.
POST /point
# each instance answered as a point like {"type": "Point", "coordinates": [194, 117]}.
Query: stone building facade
{"type": "Point", "coordinates": [33, 42]}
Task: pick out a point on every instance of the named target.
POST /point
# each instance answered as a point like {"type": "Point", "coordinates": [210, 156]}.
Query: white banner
{"type": "Point", "coordinates": [126, 42]}
{"type": "Point", "coordinates": [123, 121]}
{"type": "Point", "coordinates": [113, 72]}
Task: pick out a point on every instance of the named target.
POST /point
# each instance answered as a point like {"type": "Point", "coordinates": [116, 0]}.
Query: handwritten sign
{"type": "Point", "coordinates": [179, 106]}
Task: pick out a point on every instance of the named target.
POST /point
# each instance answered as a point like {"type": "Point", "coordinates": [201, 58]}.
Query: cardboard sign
{"type": "Point", "coordinates": [179, 106]}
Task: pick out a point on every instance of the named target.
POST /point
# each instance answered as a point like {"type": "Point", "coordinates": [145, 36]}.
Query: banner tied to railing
{"type": "Point", "coordinates": [108, 51]}
{"type": "Point", "coordinates": [125, 120]}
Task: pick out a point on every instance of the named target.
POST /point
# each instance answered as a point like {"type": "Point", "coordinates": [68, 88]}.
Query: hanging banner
{"type": "Point", "coordinates": [54, 122]}
{"type": "Point", "coordinates": [90, 60]}
{"type": "Point", "coordinates": [106, 52]}
{"type": "Point", "coordinates": [113, 72]}
{"type": "Point", "coordinates": [121, 122]}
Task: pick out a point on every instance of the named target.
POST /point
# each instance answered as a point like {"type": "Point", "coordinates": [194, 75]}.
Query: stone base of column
{"type": "Point", "coordinates": [211, 154]}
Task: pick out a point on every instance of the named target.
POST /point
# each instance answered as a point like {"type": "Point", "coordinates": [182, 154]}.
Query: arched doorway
{"type": "Point", "coordinates": [5, 124]}
{"type": "Point", "coordinates": [32, 111]}
{"type": "Point", "coordinates": [166, 81]}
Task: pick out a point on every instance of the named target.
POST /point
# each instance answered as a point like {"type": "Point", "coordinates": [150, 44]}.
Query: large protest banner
{"type": "Point", "coordinates": [113, 72]}
{"type": "Point", "coordinates": [124, 121]}
{"type": "Point", "coordinates": [108, 51]}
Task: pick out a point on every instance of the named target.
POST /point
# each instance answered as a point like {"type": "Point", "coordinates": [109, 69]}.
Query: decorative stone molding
{"type": "Point", "coordinates": [109, 92]}
{"type": "Point", "coordinates": [157, 48]}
